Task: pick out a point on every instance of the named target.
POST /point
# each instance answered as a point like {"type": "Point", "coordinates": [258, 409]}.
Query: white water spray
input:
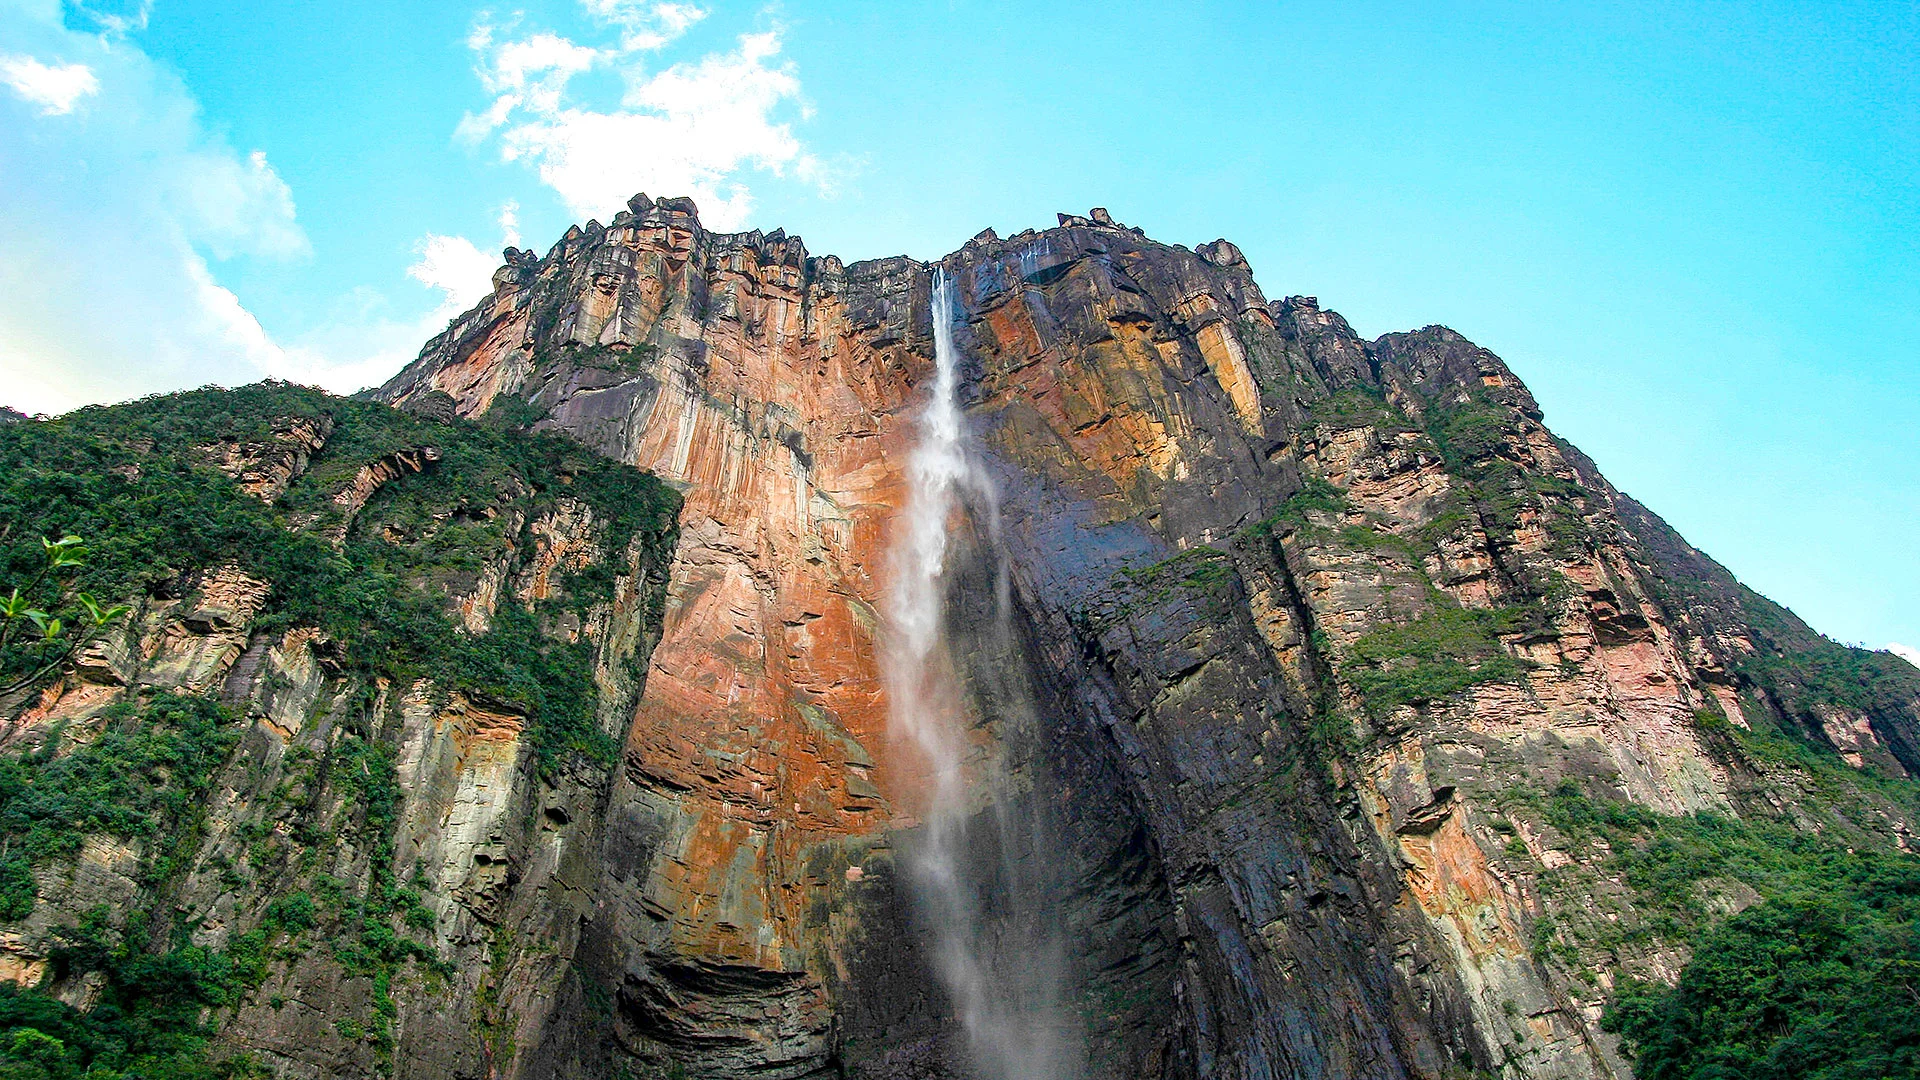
{"type": "Point", "coordinates": [1004, 983]}
{"type": "Point", "coordinates": [1031, 255]}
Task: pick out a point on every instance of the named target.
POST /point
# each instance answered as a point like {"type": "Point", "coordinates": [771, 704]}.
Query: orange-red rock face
{"type": "Point", "coordinates": [1267, 864]}
{"type": "Point", "coordinates": [736, 370]}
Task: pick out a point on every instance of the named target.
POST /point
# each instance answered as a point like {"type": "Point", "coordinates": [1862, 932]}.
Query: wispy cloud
{"type": "Point", "coordinates": [1905, 652]}
{"type": "Point", "coordinates": [235, 205]}
{"type": "Point", "coordinates": [645, 26]}
{"type": "Point", "coordinates": [509, 219]}
{"type": "Point", "coordinates": [118, 238]}
{"type": "Point", "coordinates": [360, 343]}
{"type": "Point", "coordinates": [692, 128]}
{"type": "Point", "coordinates": [111, 19]}
{"type": "Point", "coordinates": [123, 237]}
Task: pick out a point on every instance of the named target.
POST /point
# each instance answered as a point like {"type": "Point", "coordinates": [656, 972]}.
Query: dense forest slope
{"type": "Point", "coordinates": [1359, 727]}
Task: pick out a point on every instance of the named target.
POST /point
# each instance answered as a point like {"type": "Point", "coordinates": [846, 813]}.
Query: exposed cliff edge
{"type": "Point", "coordinates": [1340, 686]}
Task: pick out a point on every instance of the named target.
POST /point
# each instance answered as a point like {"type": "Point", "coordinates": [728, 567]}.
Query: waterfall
{"type": "Point", "coordinates": [1002, 974]}
{"type": "Point", "coordinates": [1030, 257]}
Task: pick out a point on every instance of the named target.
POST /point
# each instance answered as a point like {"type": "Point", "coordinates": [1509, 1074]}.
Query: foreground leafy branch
{"type": "Point", "coordinates": [46, 621]}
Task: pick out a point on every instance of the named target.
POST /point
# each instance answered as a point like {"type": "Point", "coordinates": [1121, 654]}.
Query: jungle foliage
{"type": "Point", "coordinates": [125, 503]}
{"type": "Point", "coordinates": [1815, 978]}
{"type": "Point", "coordinates": [136, 482]}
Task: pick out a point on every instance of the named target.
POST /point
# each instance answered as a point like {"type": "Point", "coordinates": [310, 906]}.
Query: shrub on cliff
{"type": "Point", "coordinates": [1810, 988]}
{"type": "Point", "coordinates": [1819, 979]}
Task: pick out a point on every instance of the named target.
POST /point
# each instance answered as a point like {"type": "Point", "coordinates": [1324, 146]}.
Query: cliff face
{"type": "Point", "coordinates": [1296, 659]}
{"type": "Point", "coordinates": [340, 773]}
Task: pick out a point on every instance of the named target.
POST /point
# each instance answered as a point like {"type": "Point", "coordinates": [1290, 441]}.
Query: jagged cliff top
{"type": "Point", "coordinates": [1431, 351]}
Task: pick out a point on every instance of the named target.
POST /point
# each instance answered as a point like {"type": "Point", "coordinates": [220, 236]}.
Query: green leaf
{"type": "Point", "coordinates": [69, 550]}
{"type": "Point", "coordinates": [98, 614]}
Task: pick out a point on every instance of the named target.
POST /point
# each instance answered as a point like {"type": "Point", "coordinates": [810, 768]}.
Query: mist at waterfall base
{"type": "Point", "coordinates": [996, 947]}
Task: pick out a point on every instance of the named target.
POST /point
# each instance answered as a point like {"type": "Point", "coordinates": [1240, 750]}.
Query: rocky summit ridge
{"type": "Point", "coordinates": [1350, 704]}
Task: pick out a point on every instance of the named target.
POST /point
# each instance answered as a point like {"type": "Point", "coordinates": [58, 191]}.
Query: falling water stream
{"type": "Point", "coordinates": [1000, 965]}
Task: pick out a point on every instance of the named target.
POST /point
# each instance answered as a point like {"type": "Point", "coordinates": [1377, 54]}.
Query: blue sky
{"type": "Point", "coordinates": [1694, 229]}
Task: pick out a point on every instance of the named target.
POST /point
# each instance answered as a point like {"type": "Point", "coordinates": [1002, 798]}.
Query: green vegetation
{"type": "Point", "coordinates": [364, 938]}
{"type": "Point", "coordinates": [1439, 654]}
{"type": "Point", "coordinates": [144, 777]}
{"type": "Point", "coordinates": [134, 478]}
{"type": "Point", "coordinates": [1493, 490]}
{"type": "Point", "coordinates": [1798, 668]}
{"type": "Point", "coordinates": [1471, 437]}
{"type": "Point", "coordinates": [147, 1021]}
{"type": "Point", "coordinates": [1858, 796]}
{"type": "Point", "coordinates": [1358, 406]}
{"type": "Point", "coordinates": [1801, 927]}
{"type": "Point", "coordinates": [1806, 669]}
{"type": "Point", "coordinates": [626, 360]}
{"type": "Point", "coordinates": [1815, 986]}
{"type": "Point", "coordinates": [1469, 433]}
{"type": "Point", "coordinates": [1315, 495]}
{"type": "Point", "coordinates": [145, 1026]}
{"type": "Point", "coordinates": [44, 621]}
{"type": "Point", "coordinates": [1802, 931]}
{"type": "Point", "coordinates": [511, 412]}
{"type": "Point", "coordinates": [1204, 568]}
{"type": "Point", "coordinates": [1816, 978]}
{"type": "Point", "coordinates": [1204, 573]}
{"type": "Point", "coordinates": [139, 482]}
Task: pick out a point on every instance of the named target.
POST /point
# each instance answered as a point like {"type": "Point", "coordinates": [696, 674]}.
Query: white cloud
{"type": "Point", "coordinates": [121, 239]}
{"type": "Point", "coordinates": [690, 129]}
{"type": "Point", "coordinates": [238, 206]}
{"type": "Point", "coordinates": [455, 266]}
{"type": "Point", "coordinates": [538, 66]}
{"type": "Point", "coordinates": [509, 219]}
{"type": "Point", "coordinates": [109, 22]}
{"type": "Point", "coordinates": [472, 128]}
{"type": "Point", "coordinates": [1905, 652]}
{"type": "Point", "coordinates": [223, 318]}
{"type": "Point", "coordinates": [56, 88]}
{"type": "Point", "coordinates": [107, 291]}
{"type": "Point", "coordinates": [358, 344]}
